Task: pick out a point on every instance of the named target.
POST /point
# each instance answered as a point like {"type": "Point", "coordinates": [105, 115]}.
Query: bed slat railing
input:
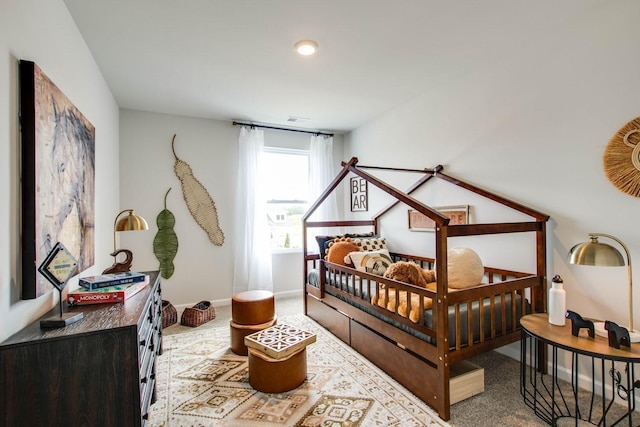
{"type": "Point", "coordinates": [500, 286]}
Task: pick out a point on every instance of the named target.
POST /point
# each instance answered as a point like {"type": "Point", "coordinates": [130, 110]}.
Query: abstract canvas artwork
{"type": "Point", "coordinates": [57, 177]}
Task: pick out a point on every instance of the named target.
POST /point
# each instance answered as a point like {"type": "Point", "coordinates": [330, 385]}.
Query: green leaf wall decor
{"type": "Point", "coordinates": [165, 244]}
{"type": "Point", "coordinates": [199, 202]}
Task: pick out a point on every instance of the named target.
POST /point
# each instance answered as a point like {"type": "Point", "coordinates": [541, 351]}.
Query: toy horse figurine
{"type": "Point", "coordinates": [577, 323]}
{"type": "Point", "coordinates": [618, 335]}
{"type": "Point", "coordinates": [120, 267]}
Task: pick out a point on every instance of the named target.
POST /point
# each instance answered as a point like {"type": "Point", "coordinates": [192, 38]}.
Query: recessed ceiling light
{"type": "Point", "coordinates": [306, 47]}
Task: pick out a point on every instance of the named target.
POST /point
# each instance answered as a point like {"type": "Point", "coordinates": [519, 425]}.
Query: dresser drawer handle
{"type": "Point", "coordinates": [144, 380]}
{"type": "Point", "coordinates": [143, 343]}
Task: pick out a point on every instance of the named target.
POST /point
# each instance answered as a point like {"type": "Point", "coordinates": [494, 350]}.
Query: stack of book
{"type": "Point", "coordinates": [107, 288]}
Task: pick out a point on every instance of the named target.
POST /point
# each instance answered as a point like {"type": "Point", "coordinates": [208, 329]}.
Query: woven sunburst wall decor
{"type": "Point", "coordinates": [622, 158]}
{"type": "Point", "coordinates": [199, 202]}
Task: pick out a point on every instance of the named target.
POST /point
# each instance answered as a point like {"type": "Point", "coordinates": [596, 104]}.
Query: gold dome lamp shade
{"type": "Point", "coordinates": [596, 253]}
{"type": "Point", "coordinates": [130, 222]}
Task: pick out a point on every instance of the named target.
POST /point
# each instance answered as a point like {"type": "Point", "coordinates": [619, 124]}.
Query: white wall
{"type": "Point", "coordinates": [43, 31]}
{"type": "Point", "coordinates": [533, 127]}
{"type": "Point", "coordinates": [203, 271]}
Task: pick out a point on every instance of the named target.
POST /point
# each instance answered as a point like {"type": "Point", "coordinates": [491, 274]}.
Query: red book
{"type": "Point", "coordinates": [111, 294]}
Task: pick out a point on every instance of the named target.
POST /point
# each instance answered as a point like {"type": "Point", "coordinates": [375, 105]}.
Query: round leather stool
{"type": "Point", "coordinates": [277, 375]}
{"type": "Point", "coordinates": [251, 311]}
{"type": "Point", "coordinates": [238, 332]}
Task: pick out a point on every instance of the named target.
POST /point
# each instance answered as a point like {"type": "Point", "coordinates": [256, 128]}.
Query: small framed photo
{"type": "Point", "coordinates": [359, 194]}
{"type": "Point", "coordinates": [458, 215]}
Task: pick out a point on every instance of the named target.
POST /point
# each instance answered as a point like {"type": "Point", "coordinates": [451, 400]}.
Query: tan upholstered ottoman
{"type": "Point", "coordinates": [238, 332]}
{"type": "Point", "coordinates": [278, 358]}
{"type": "Point", "coordinates": [251, 311]}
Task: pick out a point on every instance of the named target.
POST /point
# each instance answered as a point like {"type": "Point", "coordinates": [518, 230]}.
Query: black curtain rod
{"type": "Point", "coordinates": [278, 128]}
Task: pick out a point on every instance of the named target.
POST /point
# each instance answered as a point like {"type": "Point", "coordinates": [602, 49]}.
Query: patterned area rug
{"type": "Point", "coordinates": [202, 383]}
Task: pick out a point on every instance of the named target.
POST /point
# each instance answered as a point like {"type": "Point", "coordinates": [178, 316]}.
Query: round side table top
{"type": "Point", "coordinates": [538, 325]}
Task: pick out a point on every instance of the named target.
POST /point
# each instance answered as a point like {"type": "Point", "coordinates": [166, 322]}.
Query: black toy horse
{"type": "Point", "coordinates": [577, 323]}
{"type": "Point", "coordinates": [618, 335]}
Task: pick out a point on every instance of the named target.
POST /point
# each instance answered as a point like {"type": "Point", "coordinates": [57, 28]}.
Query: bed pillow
{"type": "Point", "coordinates": [323, 241]}
{"type": "Point", "coordinates": [339, 250]}
{"type": "Point", "coordinates": [371, 244]}
{"type": "Point", "coordinates": [464, 268]}
{"type": "Point", "coordinates": [374, 262]}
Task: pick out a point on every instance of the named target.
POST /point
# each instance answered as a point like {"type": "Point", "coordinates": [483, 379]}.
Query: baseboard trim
{"type": "Point", "coordinates": [227, 301]}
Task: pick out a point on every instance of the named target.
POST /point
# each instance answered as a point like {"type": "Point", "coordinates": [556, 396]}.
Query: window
{"type": "Point", "coordinates": [286, 174]}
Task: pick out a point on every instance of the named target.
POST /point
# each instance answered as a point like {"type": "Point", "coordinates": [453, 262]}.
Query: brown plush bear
{"type": "Point", "coordinates": [413, 274]}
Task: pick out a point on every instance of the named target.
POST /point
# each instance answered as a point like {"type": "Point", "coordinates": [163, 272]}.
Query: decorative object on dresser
{"type": "Point", "coordinates": [57, 178]}
{"type": "Point", "coordinates": [98, 372]}
{"type": "Point", "coordinates": [112, 279]}
{"type": "Point", "coordinates": [108, 294]}
{"type": "Point", "coordinates": [622, 158]}
{"type": "Point", "coordinates": [595, 253]}
{"type": "Point", "coordinates": [131, 222]}
{"type": "Point", "coordinates": [165, 244]}
{"type": "Point", "coordinates": [200, 313]}
{"type": "Point", "coordinates": [57, 268]}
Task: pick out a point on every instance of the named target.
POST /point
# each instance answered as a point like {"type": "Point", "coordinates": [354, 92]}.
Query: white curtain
{"type": "Point", "coordinates": [252, 264]}
{"type": "Point", "coordinates": [321, 173]}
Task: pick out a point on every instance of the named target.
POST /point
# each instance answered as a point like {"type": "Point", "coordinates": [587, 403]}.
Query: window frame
{"type": "Point", "coordinates": [289, 151]}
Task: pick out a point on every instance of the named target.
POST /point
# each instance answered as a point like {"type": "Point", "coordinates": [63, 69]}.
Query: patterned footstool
{"type": "Point", "coordinates": [278, 358]}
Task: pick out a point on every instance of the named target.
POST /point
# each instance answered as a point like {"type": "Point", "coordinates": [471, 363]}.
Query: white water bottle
{"type": "Point", "coordinates": [557, 302]}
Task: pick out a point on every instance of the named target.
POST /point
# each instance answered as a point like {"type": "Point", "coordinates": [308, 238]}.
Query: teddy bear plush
{"type": "Point", "coordinates": [410, 272]}
{"type": "Point", "coordinates": [413, 274]}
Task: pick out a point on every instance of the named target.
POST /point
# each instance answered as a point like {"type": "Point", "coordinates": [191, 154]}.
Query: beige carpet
{"type": "Point", "coordinates": [201, 383]}
{"type": "Point", "coordinates": [501, 404]}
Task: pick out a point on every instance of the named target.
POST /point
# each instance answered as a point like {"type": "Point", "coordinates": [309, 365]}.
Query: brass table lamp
{"type": "Point", "coordinates": [596, 253]}
{"type": "Point", "coordinates": [131, 222]}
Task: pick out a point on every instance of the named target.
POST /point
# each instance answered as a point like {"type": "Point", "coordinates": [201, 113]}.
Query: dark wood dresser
{"type": "Point", "coordinates": [99, 371]}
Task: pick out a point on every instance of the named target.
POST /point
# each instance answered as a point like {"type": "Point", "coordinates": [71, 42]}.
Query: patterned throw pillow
{"type": "Point", "coordinates": [374, 262]}
{"type": "Point", "coordinates": [373, 244]}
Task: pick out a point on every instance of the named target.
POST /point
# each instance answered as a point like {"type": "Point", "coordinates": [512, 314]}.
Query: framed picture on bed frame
{"type": "Point", "coordinates": [458, 215]}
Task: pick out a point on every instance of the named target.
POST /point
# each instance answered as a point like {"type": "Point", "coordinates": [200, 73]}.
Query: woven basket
{"type": "Point", "coordinates": [169, 314]}
{"type": "Point", "coordinates": [200, 313]}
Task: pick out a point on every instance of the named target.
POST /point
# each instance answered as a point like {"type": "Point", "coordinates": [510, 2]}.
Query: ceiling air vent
{"type": "Point", "coordinates": [293, 119]}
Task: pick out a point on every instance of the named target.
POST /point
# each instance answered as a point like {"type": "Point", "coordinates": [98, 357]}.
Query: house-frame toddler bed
{"type": "Point", "coordinates": [419, 354]}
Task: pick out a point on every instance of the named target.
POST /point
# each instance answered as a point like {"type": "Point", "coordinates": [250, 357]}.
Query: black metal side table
{"type": "Point", "coordinates": [607, 373]}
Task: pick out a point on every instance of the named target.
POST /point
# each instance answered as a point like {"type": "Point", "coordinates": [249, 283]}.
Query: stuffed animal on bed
{"type": "Point", "coordinates": [413, 274]}
{"type": "Point", "coordinates": [464, 269]}
{"type": "Point", "coordinates": [410, 272]}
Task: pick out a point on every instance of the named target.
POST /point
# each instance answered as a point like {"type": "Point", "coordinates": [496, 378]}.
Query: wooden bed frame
{"type": "Point", "coordinates": [420, 355]}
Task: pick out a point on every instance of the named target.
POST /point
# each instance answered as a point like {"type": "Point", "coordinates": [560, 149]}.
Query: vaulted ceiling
{"type": "Point", "coordinates": [235, 60]}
